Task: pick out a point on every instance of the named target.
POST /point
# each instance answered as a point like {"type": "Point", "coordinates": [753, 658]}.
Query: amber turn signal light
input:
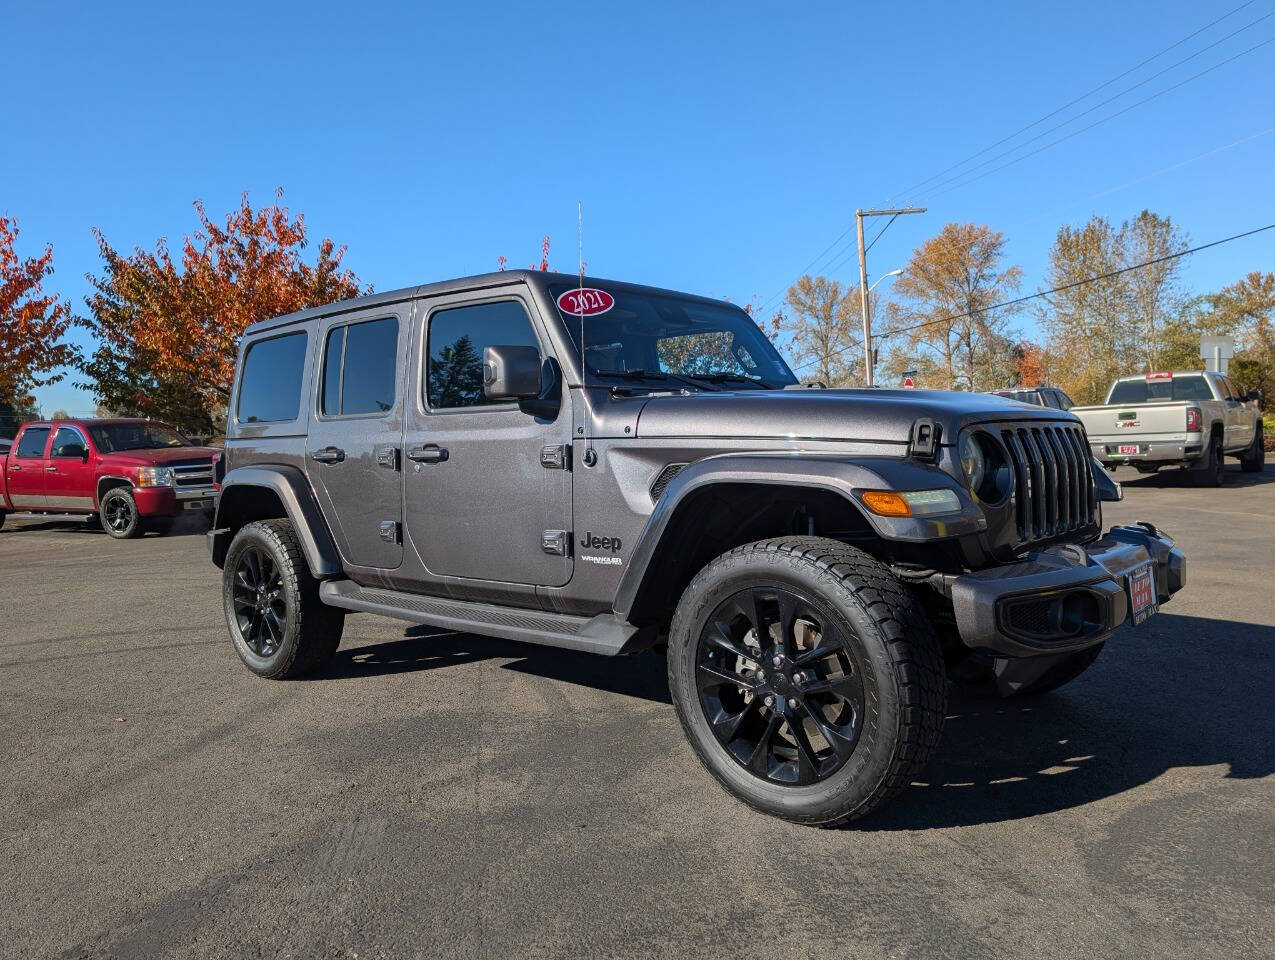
{"type": "Point", "coordinates": [886, 503]}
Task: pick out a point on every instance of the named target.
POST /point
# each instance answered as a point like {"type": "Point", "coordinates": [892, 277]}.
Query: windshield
{"type": "Point", "coordinates": [668, 339]}
{"type": "Point", "coordinates": [1161, 390]}
{"type": "Point", "coordinates": [116, 437]}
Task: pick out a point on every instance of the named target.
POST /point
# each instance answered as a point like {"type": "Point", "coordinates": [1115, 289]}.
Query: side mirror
{"type": "Point", "coordinates": [76, 451]}
{"type": "Point", "coordinates": [511, 373]}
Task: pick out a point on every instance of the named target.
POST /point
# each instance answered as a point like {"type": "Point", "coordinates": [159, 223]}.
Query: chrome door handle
{"type": "Point", "coordinates": [51, 469]}
{"type": "Point", "coordinates": [14, 468]}
{"type": "Point", "coordinates": [430, 453]}
{"type": "Point", "coordinates": [328, 455]}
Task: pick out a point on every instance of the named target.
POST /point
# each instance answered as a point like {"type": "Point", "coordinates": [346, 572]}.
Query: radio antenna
{"type": "Point", "coordinates": [584, 360]}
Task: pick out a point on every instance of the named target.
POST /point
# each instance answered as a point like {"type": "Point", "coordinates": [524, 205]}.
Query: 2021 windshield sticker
{"type": "Point", "coordinates": [585, 302]}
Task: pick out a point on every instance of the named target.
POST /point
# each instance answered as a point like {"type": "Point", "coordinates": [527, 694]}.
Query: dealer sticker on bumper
{"type": "Point", "coordinates": [1142, 597]}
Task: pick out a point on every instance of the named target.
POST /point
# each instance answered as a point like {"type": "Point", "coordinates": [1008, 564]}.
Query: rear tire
{"type": "Point", "coordinates": [120, 519]}
{"type": "Point", "coordinates": [1213, 472]}
{"type": "Point", "coordinates": [874, 701]}
{"type": "Point", "coordinates": [279, 626]}
{"type": "Point", "coordinates": [1254, 458]}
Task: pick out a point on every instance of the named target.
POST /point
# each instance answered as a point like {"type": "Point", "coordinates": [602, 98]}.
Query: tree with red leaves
{"type": "Point", "coordinates": [169, 327]}
{"type": "Point", "coordinates": [1031, 364]}
{"type": "Point", "coordinates": [32, 323]}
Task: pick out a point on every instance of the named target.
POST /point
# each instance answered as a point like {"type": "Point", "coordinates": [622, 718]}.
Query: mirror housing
{"type": "Point", "coordinates": [74, 451]}
{"type": "Point", "coordinates": [511, 373]}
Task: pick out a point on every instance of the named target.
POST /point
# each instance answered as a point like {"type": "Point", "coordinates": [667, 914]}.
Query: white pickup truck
{"type": "Point", "coordinates": [1187, 418]}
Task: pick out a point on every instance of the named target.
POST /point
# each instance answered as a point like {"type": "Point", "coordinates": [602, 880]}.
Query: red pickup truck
{"type": "Point", "coordinates": [129, 474]}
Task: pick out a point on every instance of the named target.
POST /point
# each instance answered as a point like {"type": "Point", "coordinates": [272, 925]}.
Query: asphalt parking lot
{"type": "Point", "coordinates": [449, 795]}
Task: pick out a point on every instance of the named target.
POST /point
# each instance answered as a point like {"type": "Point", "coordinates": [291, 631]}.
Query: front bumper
{"type": "Point", "coordinates": [172, 501]}
{"type": "Point", "coordinates": [1063, 598]}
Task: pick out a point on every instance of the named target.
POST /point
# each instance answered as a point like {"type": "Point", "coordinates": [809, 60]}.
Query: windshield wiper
{"type": "Point", "coordinates": [640, 374]}
{"type": "Point", "coordinates": [733, 378]}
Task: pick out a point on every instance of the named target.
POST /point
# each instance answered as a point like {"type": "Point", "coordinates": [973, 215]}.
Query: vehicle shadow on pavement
{"type": "Point", "coordinates": [182, 527]}
{"type": "Point", "coordinates": [1235, 477]}
{"type": "Point", "coordinates": [1178, 692]}
{"type": "Point", "coordinates": [426, 648]}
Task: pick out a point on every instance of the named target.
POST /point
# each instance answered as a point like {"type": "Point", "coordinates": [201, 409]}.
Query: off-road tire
{"type": "Point", "coordinates": [902, 674]}
{"type": "Point", "coordinates": [311, 629]}
{"type": "Point", "coordinates": [1254, 458]}
{"type": "Point", "coordinates": [120, 518]}
{"type": "Point", "coordinates": [1213, 472]}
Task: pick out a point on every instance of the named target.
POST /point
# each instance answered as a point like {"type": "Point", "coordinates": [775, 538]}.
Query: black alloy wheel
{"type": "Point", "coordinates": [119, 515]}
{"type": "Point", "coordinates": [260, 606]}
{"type": "Point", "coordinates": [780, 686]}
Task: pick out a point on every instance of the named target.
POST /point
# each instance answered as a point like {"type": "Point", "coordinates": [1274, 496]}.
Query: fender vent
{"type": "Point", "coordinates": [665, 477]}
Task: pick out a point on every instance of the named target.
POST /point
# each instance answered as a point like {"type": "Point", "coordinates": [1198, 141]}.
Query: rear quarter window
{"type": "Point", "coordinates": [270, 386]}
{"type": "Point", "coordinates": [31, 446]}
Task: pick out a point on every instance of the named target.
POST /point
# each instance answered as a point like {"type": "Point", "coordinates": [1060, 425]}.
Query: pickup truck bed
{"type": "Point", "coordinates": [1185, 418]}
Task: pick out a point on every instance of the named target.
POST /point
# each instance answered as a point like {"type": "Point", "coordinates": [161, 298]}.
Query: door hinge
{"type": "Point", "coordinates": [554, 542]}
{"type": "Point", "coordinates": [387, 456]}
{"type": "Point", "coordinates": [553, 456]}
{"type": "Point", "coordinates": [389, 531]}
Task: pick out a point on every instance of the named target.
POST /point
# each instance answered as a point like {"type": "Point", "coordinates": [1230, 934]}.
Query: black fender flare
{"type": "Point", "coordinates": [290, 487]}
{"type": "Point", "coordinates": [846, 476]}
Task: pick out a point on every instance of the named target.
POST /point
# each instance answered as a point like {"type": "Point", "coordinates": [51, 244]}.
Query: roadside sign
{"type": "Point", "coordinates": [909, 379]}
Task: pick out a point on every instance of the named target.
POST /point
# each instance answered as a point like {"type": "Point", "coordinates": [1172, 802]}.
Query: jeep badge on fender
{"type": "Point", "coordinates": [591, 542]}
{"type": "Point", "coordinates": [763, 529]}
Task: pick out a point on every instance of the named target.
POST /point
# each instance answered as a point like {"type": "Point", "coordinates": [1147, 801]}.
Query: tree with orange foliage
{"type": "Point", "coordinates": [169, 328]}
{"type": "Point", "coordinates": [32, 323]}
{"type": "Point", "coordinates": [1031, 364]}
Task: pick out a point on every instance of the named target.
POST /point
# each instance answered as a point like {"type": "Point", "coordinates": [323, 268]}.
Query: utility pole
{"type": "Point", "coordinates": [863, 279]}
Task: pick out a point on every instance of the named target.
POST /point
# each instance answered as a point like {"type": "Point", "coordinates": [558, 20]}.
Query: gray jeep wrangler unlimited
{"type": "Point", "coordinates": [609, 468]}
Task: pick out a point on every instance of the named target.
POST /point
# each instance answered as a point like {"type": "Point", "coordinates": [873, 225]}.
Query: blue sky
{"type": "Point", "coordinates": [717, 148]}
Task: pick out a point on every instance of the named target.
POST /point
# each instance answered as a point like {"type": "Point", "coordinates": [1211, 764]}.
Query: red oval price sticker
{"type": "Point", "coordinates": [585, 302]}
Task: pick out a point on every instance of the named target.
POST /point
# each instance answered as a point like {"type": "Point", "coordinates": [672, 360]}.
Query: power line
{"type": "Point", "coordinates": [1102, 120]}
{"type": "Point", "coordinates": [841, 259]}
{"type": "Point", "coordinates": [1061, 289]}
{"type": "Point", "coordinates": [1072, 103]}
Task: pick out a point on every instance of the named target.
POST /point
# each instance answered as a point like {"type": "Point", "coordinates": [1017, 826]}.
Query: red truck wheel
{"type": "Point", "coordinates": [119, 514]}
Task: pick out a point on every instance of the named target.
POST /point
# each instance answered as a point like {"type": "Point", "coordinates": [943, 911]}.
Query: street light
{"type": "Point", "coordinates": [868, 363]}
{"type": "Point", "coordinates": [892, 273]}
{"type": "Point", "coordinates": [863, 276]}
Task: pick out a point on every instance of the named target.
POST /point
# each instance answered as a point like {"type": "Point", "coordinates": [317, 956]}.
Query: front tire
{"type": "Point", "coordinates": [1254, 459]}
{"type": "Point", "coordinates": [278, 624]}
{"type": "Point", "coordinates": [120, 518]}
{"type": "Point", "coordinates": [844, 653]}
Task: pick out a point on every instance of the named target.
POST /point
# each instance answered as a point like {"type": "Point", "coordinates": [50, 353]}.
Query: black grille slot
{"type": "Point", "coordinates": [665, 477]}
{"type": "Point", "coordinates": [1053, 480]}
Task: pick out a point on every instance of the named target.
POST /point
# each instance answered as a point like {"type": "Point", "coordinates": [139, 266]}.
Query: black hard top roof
{"type": "Point", "coordinates": [458, 285]}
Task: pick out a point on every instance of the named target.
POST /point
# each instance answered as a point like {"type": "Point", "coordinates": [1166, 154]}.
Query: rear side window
{"type": "Point", "coordinates": [457, 339]}
{"type": "Point", "coordinates": [31, 446]}
{"type": "Point", "coordinates": [1064, 401]}
{"type": "Point", "coordinates": [270, 390]}
{"type": "Point", "coordinates": [1191, 387]}
{"type": "Point", "coordinates": [360, 362]}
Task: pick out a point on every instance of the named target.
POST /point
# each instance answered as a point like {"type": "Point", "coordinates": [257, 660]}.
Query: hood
{"type": "Point", "coordinates": [869, 414]}
{"type": "Point", "coordinates": [165, 456]}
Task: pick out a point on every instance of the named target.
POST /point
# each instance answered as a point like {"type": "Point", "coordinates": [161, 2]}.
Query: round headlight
{"type": "Point", "coordinates": [973, 461]}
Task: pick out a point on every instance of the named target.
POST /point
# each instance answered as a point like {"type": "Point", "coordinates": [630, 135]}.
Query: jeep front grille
{"type": "Point", "coordinates": [1053, 479]}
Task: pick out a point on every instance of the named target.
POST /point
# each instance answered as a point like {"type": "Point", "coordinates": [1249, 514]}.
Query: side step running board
{"type": "Point", "coordinates": [604, 634]}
